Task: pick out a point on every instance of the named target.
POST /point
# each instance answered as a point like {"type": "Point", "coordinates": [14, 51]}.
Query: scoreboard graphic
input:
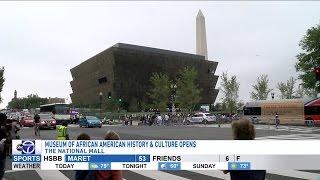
{"type": "Point", "coordinates": [164, 155]}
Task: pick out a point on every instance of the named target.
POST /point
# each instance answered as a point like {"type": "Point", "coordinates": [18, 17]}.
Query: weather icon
{"type": "Point", "coordinates": [93, 166]}
{"type": "Point", "coordinates": [163, 166]}
{"type": "Point", "coordinates": [233, 166]}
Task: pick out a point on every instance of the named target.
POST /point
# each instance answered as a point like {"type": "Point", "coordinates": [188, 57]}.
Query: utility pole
{"type": "Point", "coordinates": [100, 98]}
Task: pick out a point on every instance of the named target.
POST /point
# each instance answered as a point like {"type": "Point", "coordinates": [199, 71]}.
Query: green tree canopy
{"type": "Point", "coordinates": [188, 93]}
{"type": "Point", "coordinates": [111, 105]}
{"type": "Point", "coordinates": [230, 90]}
{"type": "Point", "coordinates": [300, 92]}
{"type": "Point", "coordinates": [1, 81]}
{"type": "Point", "coordinates": [31, 101]}
{"type": "Point", "coordinates": [134, 106]}
{"type": "Point", "coordinates": [217, 107]}
{"type": "Point", "coordinates": [309, 59]}
{"type": "Point", "coordinates": [287, 89]}
{"type": "Point", "coordinates": [160, 91]}
{"type": "Point", "coordinates": [261, 89]}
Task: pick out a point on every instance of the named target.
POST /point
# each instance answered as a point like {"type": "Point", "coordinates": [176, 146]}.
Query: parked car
{"type": "Point", "coordinates": [90, 121]}
{"type": "Point", "coordinates": [27, 121]}
{"type": "Point", "coordinates": [14, 115]}
{"type": "Point", "coordinates": [106, 120]}
{"type": "Point", "coordinates": [197, 118]}
{"type": "Point", "coordinates": [47, 121]}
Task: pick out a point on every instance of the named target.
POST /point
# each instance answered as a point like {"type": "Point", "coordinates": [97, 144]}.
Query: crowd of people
{"type": "Point", "coordinates": [156, 119]}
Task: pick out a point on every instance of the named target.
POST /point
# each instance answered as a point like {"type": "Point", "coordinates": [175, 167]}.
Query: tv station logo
{"type": "Point", "coordinates": [26, 154]}
{"type": "Point", "coordinates": [27, 147]}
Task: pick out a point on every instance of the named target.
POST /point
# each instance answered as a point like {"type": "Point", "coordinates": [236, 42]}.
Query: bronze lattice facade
{"type": "Point", "coordinates": [124, 71]}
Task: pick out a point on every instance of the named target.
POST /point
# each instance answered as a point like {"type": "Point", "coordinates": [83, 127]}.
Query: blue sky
{"type": "Point", "coordinates": [41, 41]}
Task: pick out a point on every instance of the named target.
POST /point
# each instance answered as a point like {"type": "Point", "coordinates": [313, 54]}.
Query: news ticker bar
{"type": "Point", "coordinates": [166, 162]}
{"type": "Point", "coordinates": [125, 155]}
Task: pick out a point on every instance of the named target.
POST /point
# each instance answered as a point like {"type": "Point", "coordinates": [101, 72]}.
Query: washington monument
{"type": "Point", "coordinates": [201, 38]}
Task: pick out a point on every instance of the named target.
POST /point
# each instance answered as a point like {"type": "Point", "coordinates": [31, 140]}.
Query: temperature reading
{"type": "Point", "coordinates": [142, 158]}
{"type": "Point", "coordinates": [104, 166]}
{"type": "Point", "coordinates": [243, 166]}
{"type": "Point", "coordinates": [173, 166]}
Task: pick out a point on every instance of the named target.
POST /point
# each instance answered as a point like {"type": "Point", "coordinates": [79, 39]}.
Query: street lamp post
{"type": "Point", "coordinates": [173, 87]}
{"type": "Point", "coordinates": [100, 98]}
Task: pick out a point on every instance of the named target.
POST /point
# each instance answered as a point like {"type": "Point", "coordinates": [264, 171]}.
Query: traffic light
{"type": "Point", "coordinates": [109, 95]}
{"type": "Point", "coordinates": [317, 71]}
{"type": "Point", "coordinates": [120, 99]}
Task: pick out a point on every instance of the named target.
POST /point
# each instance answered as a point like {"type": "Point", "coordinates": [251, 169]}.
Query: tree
{"type": "Point", "coordinates": [1, 81]}
{"type": "Point", "coordinates": [111, 105]}
{"type": "Point", "coordinates": [217, 107]}
{"type": "Point", "coordinates": [230, 90]}
{"type": "Point", "coordinates": [188, 93]}
{"type": "Point", "coordinates": [240, 104]}
{"type": "Point", "coordinates": [160, 91]}
{"type": "Point", "coordinates": [300, 92]}
{"type": "Point", "coordinates": [287, 89]}
{"type": "Point", "coordinates": [133, 107]}
{"type": "Point", "coordinates": [312, 93]}
{"type": "Point", "coordinates": [309, 59]}
{"type": "Point", "coordinates": [29, 102]}
{"type": "Point", "coordinates": [261, 89]}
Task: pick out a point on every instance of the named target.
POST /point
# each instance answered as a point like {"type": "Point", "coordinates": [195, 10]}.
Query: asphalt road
{"type": "Point", "coordinates": [154, 132]}
{"type": "Point", "coordinates": [200, 132]}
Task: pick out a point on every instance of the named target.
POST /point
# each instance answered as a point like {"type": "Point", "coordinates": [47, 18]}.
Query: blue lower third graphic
{"type": "Point", "coordinates": [170, 166]}
{"type": "Point", "coordinates": [239, 166]}
{"type": "Point", "coordinates": [100, 166]}
{"type": "Point", "coordinates": [107, 158]}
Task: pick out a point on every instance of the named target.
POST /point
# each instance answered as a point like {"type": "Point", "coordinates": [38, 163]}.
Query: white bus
{"type": "Point", "coordinates": [60, 111]}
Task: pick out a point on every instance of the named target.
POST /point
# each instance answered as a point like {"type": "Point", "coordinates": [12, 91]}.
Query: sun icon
{"type": "Point", "coordinates": [233, 166]}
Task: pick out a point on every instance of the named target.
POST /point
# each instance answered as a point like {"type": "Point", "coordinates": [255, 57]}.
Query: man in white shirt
{"type": "Point", "coordinates": [159, 120]}
{"type": "Point", "coordinates": [166, 119]}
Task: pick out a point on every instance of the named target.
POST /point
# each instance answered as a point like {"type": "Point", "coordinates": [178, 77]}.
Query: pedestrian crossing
{"type": "Point", "coordinates": [165, 175]}
{"type": "Point", "coordinates": [300, 129]}
{"type": "Point", "coordinates": [291, 137]}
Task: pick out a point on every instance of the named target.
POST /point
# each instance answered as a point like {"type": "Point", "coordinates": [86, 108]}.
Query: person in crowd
{"type": "Point", "coordinates": [142, 120]}
{"type": "Point", "coordinates": [12, 129]}
{"type": "Point", "coordinates": [244, 130]}
{"type": "Point", "coordinates": [159, 120]}
{"type": "Point", "coordinates": [3, 143]}
{"type": "Point", "coordinates": [62, 131]}
{"type": "Point", "coordinates": [36, 125]}
{"type": "Point", "coordinates": [126, 120]}
{"type": "Point", "coordinates": [166, 119]}
{"type": "Point", "coordinates": [149, 120]}
{"type": "Point", "coordinates": [77, 117]}
{"type": "Point", "coordinates": [131, 119]}
{"type": "Point", "coordinates": [15, 129]}
{"type": "Point", "coordinates": [9, 135]}
{"type": "Point", "coordinates": [82, 174]}
{"type": "Point", "coordinates": [106, 174]}
{"type": "Point", "coordinates": [277, 120]}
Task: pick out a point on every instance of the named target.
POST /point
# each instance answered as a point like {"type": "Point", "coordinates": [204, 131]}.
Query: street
{"type": "Point", "coordinates": [199, 132]}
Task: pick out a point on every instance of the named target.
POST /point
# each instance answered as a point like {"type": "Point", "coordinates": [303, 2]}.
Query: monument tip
{"type": "Point", "coordinates": [200, 13]}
